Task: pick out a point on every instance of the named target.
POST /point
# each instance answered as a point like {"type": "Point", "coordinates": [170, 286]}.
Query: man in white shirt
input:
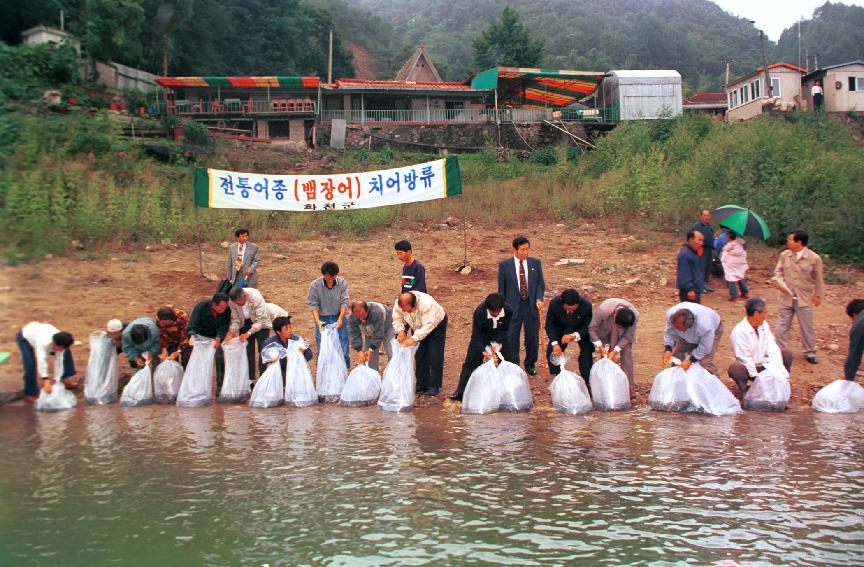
{"type": "Point", "coordinates": [692, 334]}
{"type": "Point", "coordinates": [38, 341]}
{"type": "Point", "coordinates": [754, 345]}
{"type": "Point", "coordinates": [417, 318]}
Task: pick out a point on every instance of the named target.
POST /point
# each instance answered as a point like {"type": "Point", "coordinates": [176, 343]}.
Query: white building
{"type": "Point", "coordinates": [642, 94]}
{"type": "Point", "coordinates": [45, 34]}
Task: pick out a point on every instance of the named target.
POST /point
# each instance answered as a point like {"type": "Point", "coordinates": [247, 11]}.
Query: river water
{"type": "Point", "coordinates": [227, 485]}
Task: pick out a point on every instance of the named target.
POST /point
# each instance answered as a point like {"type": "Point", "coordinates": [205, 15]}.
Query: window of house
{"type": "Point", "coordinates": [856, 83]}
{"type": "Point", "coordinates": [755, 90]}
{"type": "Point", "coordinates": [775, 86]}
{"type": "Point", "coordinates": [735, 98]}
{"type": "Point", "coordinates": [731, 104]}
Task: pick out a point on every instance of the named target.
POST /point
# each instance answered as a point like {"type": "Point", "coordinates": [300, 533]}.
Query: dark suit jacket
{"type": "Point", "coordinates": [508, 283]}
{"type": "Point", "coordinates": [559, 323]}
{"type": "Point", "coordinates": [482, 333]}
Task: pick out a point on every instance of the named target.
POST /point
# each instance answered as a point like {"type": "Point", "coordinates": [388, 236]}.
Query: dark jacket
{"type": "Point", "coordinates": [204, 324]}
{"type": "Point", "coordinates": [508, 282]}
{"type": "Point", "coordinates": [274, 339]}
{"type": "Point", "coordinates": [483, 334]}
{"type": "Point", "coordinates": [707, 232]}
{"type": "Point", "coordinates": [856, 347]}
{"type": "Point", "coordinates": [690, 276]}
{"type": "Point", "coordinates": [560, 323]}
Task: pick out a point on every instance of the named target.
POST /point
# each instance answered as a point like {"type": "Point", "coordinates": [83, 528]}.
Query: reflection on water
{"type": "Point", "coordinates": [229, 485]}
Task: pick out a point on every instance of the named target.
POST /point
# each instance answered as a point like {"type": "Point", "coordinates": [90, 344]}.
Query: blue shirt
{"type": "Point", "coordinates": [274, 339]}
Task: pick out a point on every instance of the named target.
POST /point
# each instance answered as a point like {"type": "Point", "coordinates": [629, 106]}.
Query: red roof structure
{"type": "Point", "coordinates": [371, 84]}
{"type": "Point", "coordinates": [770, 67]}
{"type": "Point", "coordinates": [706, 98]}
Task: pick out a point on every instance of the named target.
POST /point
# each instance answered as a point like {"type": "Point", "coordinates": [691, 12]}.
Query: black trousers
{"type": "Point", "coordinates": [525, 314]}
{"type": "Point", "coordinates": [473, 359]}
{"type": "Point", "coordinates": [707, 259]}
{"type": "Point", "coordinates": [254, 340]}
{"type": "Point", "coordinates": [430, 358]}
{"type": "Point", "coordinates": [586, 349]}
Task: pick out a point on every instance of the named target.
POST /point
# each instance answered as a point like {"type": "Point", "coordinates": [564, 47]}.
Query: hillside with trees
{"type": "Point", "coordinates": [834, 35]}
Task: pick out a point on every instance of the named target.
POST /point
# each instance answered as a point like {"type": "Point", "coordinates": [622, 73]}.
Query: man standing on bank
{"type": "Point", "coordinates": [370, 326]}
{"type": "Point", "coordinates": [704, 226]}
{"type": "Point", "coordinates": [413, 272]}
{"type": "Point", "coordinates": [798, 274]}
{"type": "Point", "coordinates": [567, 322]}
{"type": "Point", "coordinates": [520, 281]}
{"type": "Point", "coordinates": [419, 318]}
{"type": "Point", "coordinates": [250, 322]}
{"type": "Point", "coordinates": [488, 325]}
{"type": "Point", "coordinates": [614, 324]}
{"type": "Point", "coordinates": [689, 279]}
{"type": "Point", "coordinates": [243, 259]}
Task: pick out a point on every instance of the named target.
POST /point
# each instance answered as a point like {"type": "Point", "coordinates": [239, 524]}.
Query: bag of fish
{"type": "Point", "coordinates": [609, 386]}
{"type": "Point", "coordinates": [196, 390]}
{"type": "Point", "coordinates": [361, 388]}
{"type": "Point", "coordinates": [268, 391]}
{"type": "Point", "coordinates": [840, 396]}
{"type": "Point", "coordinates": [103, 371]}
{"type": "Point", "coordinates": [235, 384]}
{"type": "Point", "coordinates": [331, 372]}
{"type": "Point", "coordinates": [299, 387]}
{"type": "Point", "coordinates": [398, 382]}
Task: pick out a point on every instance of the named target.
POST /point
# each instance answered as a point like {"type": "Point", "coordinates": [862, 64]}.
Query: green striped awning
{"type": "Point", "coordinates": [538, 87]}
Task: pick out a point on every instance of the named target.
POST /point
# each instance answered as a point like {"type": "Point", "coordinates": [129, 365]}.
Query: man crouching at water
{"type": "Point", "coordinates": [38, 341]}
{"type": "Point", "coordinates": [284, 335]}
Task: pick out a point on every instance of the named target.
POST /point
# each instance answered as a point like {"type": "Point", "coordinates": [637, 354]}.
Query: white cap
{"type": "Point", "coordinates": [114, 326]}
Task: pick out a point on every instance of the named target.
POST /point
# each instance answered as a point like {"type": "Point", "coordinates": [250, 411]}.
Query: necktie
{"type": "Point", "coordinates": [523, 282]}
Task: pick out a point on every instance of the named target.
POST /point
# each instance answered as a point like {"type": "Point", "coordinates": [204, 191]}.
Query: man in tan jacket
{"type": "Point", "coordinates": [250, 322]}
{"type": "Point", "coordinates": [799, 276]}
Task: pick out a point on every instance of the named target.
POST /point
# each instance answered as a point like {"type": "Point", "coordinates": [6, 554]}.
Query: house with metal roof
{"type": "Point", "coordinates": [706, 103]}
{"type": "Point", "coordinates": [842, 86]}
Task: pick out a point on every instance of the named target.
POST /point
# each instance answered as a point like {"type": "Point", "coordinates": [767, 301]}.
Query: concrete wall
{"type": "Point", "coordinates": [117, 78]}
{"type": "Point", "coordinates": [450, 136]}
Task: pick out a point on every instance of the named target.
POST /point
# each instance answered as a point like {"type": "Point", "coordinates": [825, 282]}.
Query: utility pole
{"type": "Point", "coordinates": [768, 88]}
{"type": "Point", "coordinates": [62, 21]}
{"type": "Point", "coordinates": [165, 53]}
{"type": "Point", "coordinates": [330, 60]}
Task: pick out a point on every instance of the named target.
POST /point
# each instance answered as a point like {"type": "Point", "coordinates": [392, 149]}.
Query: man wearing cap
{"type": "Point", "coordinates": [114, 331]}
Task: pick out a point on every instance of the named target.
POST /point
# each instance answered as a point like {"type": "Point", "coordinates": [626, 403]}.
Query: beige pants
{"type": "Point", "coordinates": [805, 322]}
{"type": "Point", "coordinates": [683, 348]}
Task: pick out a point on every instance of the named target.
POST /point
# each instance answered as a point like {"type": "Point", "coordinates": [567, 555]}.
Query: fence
{"type": "Point", "coordinates": [472, 116]}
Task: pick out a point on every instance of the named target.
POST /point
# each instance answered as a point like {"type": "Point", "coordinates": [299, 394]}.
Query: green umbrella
{"type": "Point", "coordinates": [743, 221]}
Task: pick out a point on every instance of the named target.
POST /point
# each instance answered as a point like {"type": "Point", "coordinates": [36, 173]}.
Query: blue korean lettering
{"type": "Point", "coordinates": [227, 185]}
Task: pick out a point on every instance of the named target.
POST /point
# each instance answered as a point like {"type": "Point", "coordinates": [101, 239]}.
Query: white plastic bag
{"type": "Point", "coordinates": [515, 391]}
{"type": "Point", "coordinates": [708, 394]}
{"type": "Point", "coordinates": [669, 392]}
{"type": "Point", "coordinates": [331, 372]}
{"type": "Point", "coordinates": [139, 390]}
{"type": "Point", "coordinates": [166, 381]}
{"type": "Point", "coordinates": [299, 387]}
{"type": "Point", "coordinates": [570, 394]}
{"type": "Point", "coordinates": [196, 390]}
{"type": "Point", "coordinates": [268, 391]}
{"type": "Point", "coordinates": [609, 386]}
{"type": "Point", "coordinates": [483, 391]}
{"type": "Point", "coordinates": [770, 390]}
{"type": "Point", "coordinates": [59, 398]}
{"type": "Point", "coordinates": [361, 388]}
{"type": "Point", "coordinates": [103, 371]}
{"type": "Point", "coordinates": [235, 384]}
{"type": "Point", "coordinates": [398, 383]}
{"type": "Point", "coordinates": [840, 396]}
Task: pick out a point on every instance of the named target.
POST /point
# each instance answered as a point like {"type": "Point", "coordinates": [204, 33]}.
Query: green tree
{"type": "Point", "coordinates": [112, 28]}
{"type": "Point", "coordinates": [507, 42]}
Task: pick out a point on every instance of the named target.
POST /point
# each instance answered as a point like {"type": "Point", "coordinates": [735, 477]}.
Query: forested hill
{"type": "Point", "coordinates": [696, 37]}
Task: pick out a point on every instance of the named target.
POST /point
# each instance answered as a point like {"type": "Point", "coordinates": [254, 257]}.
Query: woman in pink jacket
{"type": "Point", "coordinates": [734, 260]}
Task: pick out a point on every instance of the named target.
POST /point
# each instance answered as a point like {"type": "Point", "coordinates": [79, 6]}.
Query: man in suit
{"type": "Point", "coordinates": [613, 332]}
{"type": "Point", "coordinates": [520, 281]}
{"type": "Point", "coordinates": [488, 325]}
{"type": "Point", "coordinates": [243, 260]}
{"type": "Point", "coordinates": [567, 321]}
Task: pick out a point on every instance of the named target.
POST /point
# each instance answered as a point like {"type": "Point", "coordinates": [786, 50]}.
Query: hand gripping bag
{"type": "Point", "coordinates": [299, 387]}
{"type": "Point", "coordinates": [166, 381]}
{"type": "Point", "coordinates": [268, 392]}
{"type": "Point", "coordinates": [770, 390]}
{"type": "Point", "coordinates": [139, 390]}
{"type": "Point", "coordinates": [515, 391]}
{"type": "Point", "coordinates": [708, 394]}
{"type": "Point", "coordinates": [103, 371]}
{"type": "Point", "coordinates": [361, 388]}
{"type": "Point", "coordinates": [59, 399]}
{"type": "Point", "coordinates": [398, 382]}
{"type": "Point", "coordinates": [609, 386]}
{"type": "Point", "coordinates": [840, 396]}
{"type": "Point", "coordinates": [196, 390]}
{"type": "Point", "coordinates": [570, 394]}
{"type": "Point", "coordinates": [669, 392]}
{"type": "Point", "coordinates": [483, 391]}
{"type": "Point", "coordinates": [331, 372]}
{"type": "Point", "coordinates": [235, 384]}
